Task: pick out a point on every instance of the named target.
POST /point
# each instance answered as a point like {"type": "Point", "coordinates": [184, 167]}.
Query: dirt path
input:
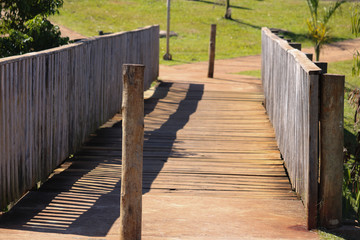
{"type": "Point", "coordinates": [338, 51]}
{"type": "Point", "coordinates": [67, 32]}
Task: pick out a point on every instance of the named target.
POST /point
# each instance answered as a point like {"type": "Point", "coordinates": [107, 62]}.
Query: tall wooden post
{"type": "Point", "coordinates": [331, 143]}
{"type": "Point", "coordinates": [212, 51]}
{"type": "Point", "coordinates": [132, 152]}
{"type": "Point", "coordinates": [167, 55]}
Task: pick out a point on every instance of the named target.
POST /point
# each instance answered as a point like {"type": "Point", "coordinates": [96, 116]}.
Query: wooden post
{"type": "Point", "coordinates": [132, 152]}
{"type": "Point", "coordinates": [331, 144]}
{"type": "Point", "coordinates": [312, 169]}
{"type": "Point", "coordinates": [212, 51]}
{"type": "Point", "coordinates": [296, 46]}
{"type": "Point", "coordinates": [309, 56]}
{"type": "Point", "coordinates": [323, 66]}
{"type": "Point", "coordinates": [167, 55]}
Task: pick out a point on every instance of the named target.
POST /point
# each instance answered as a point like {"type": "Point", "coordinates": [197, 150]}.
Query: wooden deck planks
{"type": "Point", "coordinates": [210, 165]}
{"type": "Point", "coordinates": [224, 143]}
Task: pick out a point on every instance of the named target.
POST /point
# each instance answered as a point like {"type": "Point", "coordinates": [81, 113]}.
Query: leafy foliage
{"type": "Point", "coordinates": [17, 12]}
{"type": "Point", "coordinates": [14, 43]}
{"type": "Point", "coordinates": [24, 27]}
{"type": "Point", "coordinates": [317, 25]}
{"type": "Point", "coordinates": [44, 34]}
{"type": "Point", "coordinates": [355, 20]}
{"type": "Point", "coordinates": [351, 184]}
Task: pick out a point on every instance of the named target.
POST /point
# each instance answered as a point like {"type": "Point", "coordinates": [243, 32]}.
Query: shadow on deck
{"type": "Point", "coordinates": [83, 197]}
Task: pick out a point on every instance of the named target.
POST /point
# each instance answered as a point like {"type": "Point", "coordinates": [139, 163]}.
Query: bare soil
{"type": "Point", "coordinates": [67, 32]}
{"type": "Point", "coordinates": [338, 51]}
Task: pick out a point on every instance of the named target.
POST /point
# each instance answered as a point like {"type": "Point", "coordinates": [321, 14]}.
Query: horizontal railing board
{"type": "Point", "coordinates": [50, 101]}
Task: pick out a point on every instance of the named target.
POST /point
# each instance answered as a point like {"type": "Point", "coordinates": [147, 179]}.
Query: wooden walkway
{"type": "Point", "coordinates": [212, 170]}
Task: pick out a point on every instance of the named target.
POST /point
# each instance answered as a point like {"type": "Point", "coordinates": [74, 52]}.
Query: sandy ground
{"type": "Point", "coordinates": [338, 51]}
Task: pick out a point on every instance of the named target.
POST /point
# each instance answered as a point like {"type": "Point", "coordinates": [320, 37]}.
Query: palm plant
{"type": "Point", "coordinates": [318, 26]}
{"type": "Point", "coordinates": [355, 20]}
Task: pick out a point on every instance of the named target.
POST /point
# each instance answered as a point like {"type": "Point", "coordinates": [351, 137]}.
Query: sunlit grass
{"type": "Point", "coordinates": [192, 19]}
{"type": "Point", "coordinates": [253, 73]}
{"type": "Point", "coordinates": [328, 236]}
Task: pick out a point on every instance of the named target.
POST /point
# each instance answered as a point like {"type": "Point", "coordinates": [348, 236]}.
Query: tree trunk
{"type": "Point", "coordinates": [317, 52]}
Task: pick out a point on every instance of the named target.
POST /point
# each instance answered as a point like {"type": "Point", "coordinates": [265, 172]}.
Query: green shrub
{"type": "Point", "coordinates": [24, 27]}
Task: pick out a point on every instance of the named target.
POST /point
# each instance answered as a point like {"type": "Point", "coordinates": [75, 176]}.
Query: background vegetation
{"type": "Point", "coordinates": [24, 26]}
{"type": "Point", "coordinates": [191, 19]}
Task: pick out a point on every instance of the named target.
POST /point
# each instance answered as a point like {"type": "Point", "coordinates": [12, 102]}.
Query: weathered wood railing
{"type": "Point", "coordinates": [50, 101]}
{"type": "Point", "coordinates": [292, 99]}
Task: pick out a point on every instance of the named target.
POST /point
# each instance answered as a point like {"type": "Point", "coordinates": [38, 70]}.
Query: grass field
{"type": "Point", "coordinates": [191, 19]}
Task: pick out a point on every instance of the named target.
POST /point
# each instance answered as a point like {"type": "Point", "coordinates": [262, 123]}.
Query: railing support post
{"type": "Point", "coordinates": [132, 152]}
{"type": "Point", "coordinates": [212, 51]}
{"type": "Point", "coordinates": [331, 149]}
{"type": "Point", "coordinates": [296, 46]}
{"type": "Point", "coordinates": [309, 56]}
{"type": "Point", "coordinates": [311, 171]}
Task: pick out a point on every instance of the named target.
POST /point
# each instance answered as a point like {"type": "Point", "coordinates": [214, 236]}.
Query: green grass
{"type": "Point", "coordinates": [328, 236]}
{"type": "Point", "coordinates": [253, 73]}
{"type": "Point", "coordinates": [192, 19]}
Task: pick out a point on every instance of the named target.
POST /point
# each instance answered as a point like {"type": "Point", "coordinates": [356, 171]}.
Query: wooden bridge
{"type": "Point", "coordinates": [212, 169]}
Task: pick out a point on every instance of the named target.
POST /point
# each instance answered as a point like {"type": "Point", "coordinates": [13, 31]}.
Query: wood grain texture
{"type": "Point", "coordinates": [211, 169]}
{"type": "Point", "coordinates": [132, 152]}
{"type": "Point", "coordinates": [52, 100]}
{"type": "Point", "coordinates": [291, 89]}
{"type": "Point", "coordinates": [332, 142]}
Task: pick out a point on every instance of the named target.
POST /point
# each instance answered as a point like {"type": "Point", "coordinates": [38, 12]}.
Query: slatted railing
{"type": "Point", "coordinates": [300, 97]}
{"type": "Point", "coordinates": [291, 88]}
{"type": "Point", "coordinates": [50, 101]}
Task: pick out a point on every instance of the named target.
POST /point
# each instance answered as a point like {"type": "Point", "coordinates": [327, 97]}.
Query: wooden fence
{"type": "Point", "coordinates": [50, 101]}
{"type": "Point", "coordinates": [292, 99]}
